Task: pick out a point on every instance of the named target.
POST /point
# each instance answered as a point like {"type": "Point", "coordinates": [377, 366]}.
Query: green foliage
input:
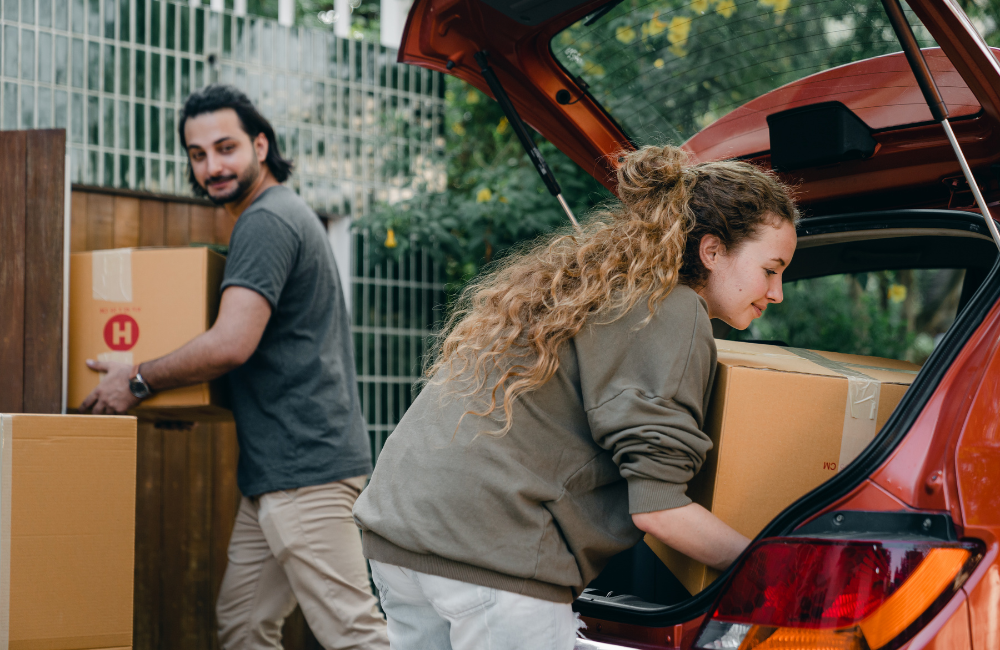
{"type": "Point", "coordinates": [985, 15]}
{"type": "Point", "coordinates": [494, 198]}
{"type": "Point", "coordinates": [364, 17]}
{"type": "Point", "coordinates": [894, 314]}
{"type": "Point", "coordinates": [666, 69]}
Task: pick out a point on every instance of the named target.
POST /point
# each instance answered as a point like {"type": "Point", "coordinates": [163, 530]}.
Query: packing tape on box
{"type": "Point", "coordinates": [112, 275]}
{"type": "Point", "coordinates": [6, 441]}
{"type": "Point", "coordinates": [861, 409]}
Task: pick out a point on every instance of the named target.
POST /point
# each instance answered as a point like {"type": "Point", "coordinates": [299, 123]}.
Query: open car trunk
{"type": "Point", "coordinates": [890, 224]}
{"type": "Point", "coordinates": [953, 253]}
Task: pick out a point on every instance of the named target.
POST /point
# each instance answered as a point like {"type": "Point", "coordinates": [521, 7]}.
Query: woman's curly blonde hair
{"type": "Point", "coordinates": [507, 326]}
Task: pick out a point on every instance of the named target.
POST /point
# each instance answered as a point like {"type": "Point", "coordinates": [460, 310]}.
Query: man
{"type": "Point", "coordinates": [283, 336]}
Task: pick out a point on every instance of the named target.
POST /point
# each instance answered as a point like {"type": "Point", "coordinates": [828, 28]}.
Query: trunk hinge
{"type": "Point", "coordinates": [522, 134]}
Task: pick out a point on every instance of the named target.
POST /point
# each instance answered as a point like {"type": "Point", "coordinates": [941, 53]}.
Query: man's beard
{"type": "Point", "coordinates": [243, 184]}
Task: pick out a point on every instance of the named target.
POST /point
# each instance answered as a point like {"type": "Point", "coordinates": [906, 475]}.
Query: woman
{"type": "Point", "coordinates": [563, 418]}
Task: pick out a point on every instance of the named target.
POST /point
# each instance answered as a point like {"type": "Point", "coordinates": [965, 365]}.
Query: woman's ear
{"type": "Point", "coordinates": [710, 249]}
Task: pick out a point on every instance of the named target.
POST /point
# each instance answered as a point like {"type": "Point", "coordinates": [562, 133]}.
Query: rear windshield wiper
{"type": "Point", "coordinates": [522, 134]}
{"type": "Point", "coordinates": [934, 101]}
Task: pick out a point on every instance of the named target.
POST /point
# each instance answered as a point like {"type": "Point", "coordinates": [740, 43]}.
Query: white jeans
{"type": "Point", "coordinates": [428, 612]}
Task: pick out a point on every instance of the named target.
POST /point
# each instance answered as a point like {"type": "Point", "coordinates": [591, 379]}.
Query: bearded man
{"type": "Point", "coordinates": [283, 336]}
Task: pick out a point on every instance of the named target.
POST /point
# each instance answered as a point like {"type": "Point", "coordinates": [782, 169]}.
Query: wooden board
{"type": "Point", "coordinates": [45, 174]}
{"type": "Point", "coordinates": [12, 267]}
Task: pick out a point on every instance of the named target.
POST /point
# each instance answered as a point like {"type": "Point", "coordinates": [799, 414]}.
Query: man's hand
{"type": "Point", "coordinates": [112, 396]}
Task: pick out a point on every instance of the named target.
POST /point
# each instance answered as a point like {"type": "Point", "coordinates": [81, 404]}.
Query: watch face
{"type": "Point", "coordinates": [138, 388]}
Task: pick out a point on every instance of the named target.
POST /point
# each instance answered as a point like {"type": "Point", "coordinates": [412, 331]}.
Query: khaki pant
{"type": "Point", "coordinates": [299, 546]}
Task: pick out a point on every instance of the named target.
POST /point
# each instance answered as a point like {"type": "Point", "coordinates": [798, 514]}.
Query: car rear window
{"type": "Point", "coordinates": [898, 314]}
{"type": "Point", "coordinates": [666, 70]}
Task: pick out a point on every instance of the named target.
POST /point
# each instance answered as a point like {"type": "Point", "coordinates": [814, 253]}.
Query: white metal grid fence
{"type": "Point", "coordinates": [396, 307]}
{"type": "Point", "coordinates": [359, 126]}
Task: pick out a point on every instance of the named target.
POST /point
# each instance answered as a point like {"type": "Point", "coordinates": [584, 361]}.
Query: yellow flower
{"type": "Point", "coordinates": [472, 97]}
{"type": "Point", "coordinates": [390, 239]}
{"type": "Point", "coordinates": [625, 34]}
{"type": "Point", "coordinates": [656, 26]}
{"type": "Point", "coordinates": [701, 6]}
{"type": "Point", "coordinates": [594, 69]}
{"type": "Point", "coordinates": [484, 195]}
{"type": "Point", "coordinates": [680, 28]}
{"type": "Point", "coordinates": [502, 126]}
{"type": "Point", "coordinates": [502, 199]}
{"type": "Point", "coordinates": [725, 8]}
{"type": "Point", "coordinates": [897, 293]}
{"type": "Point", "coordinates": [677, 51]}
{"type": "Point", "coordinates": [658, 63]}
{"type": "Point", "coordinates": [458, 128]}
{"type": "Point", "coordinates": [780, 6]}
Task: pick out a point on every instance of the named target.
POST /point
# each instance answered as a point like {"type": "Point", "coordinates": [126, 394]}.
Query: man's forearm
{"type": "Point", "coordinates": [201, 359]}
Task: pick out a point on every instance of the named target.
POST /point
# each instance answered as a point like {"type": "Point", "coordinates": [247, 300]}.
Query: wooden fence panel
{"type": "Point", "coordinates": [203, 224]}
{"type": "Point", "coordinates": [44, 209]}
{"type": "Point", "coordinates": [178, 224]}
{"type": "Point", "coordinates": [78, 222]}
{"type": "Point", "coordinates": [149, 563]}
{"type": "Point", "coordinates": [100, 222]}
{"type": "Point", "coordinates": [12, 266]}
{"type": "Point", "coordinates": [152, 223]}
{"type": "Point", "coordinates": [126, 227]}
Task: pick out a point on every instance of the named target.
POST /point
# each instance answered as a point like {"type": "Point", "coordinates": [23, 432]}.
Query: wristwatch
{"type": "Point", "coordinates": [138, 386]}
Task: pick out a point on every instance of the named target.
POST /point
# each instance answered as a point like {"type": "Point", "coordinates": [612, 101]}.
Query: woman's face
{"type": "Point", "coordinates": [743, 282]}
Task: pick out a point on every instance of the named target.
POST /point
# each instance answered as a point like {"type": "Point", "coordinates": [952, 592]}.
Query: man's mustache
{"type": "Point", "coordinates": [219, 179]}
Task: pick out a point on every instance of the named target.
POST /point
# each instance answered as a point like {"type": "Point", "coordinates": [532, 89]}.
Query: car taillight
{"type": "Point", "coordinates": [853, 595]}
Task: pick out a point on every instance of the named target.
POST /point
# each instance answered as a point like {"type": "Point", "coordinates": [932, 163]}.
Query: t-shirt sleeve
{"type": "Point", "coordinates": [262, 254]}
{"type": "Point", "coordinates": [645, 392]}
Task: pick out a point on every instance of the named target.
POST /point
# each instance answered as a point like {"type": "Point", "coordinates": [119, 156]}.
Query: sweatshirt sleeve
{"type": "Point", "coordinates": [645, 390]}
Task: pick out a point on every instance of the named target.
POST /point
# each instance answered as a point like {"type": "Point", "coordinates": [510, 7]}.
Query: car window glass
{"type": "Point", "coordinates": [665, 69]}
{"type": "Point", "coordinates": [896, 314]}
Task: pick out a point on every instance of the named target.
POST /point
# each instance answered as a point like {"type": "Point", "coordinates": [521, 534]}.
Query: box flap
{"type": "Point", "coordinates": [814, 362]}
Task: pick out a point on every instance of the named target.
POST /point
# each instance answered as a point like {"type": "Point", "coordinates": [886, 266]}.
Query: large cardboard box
{"type": "Point", "coordinates": [134, 305]}
{"type": "Point", "coordinates": [783, 421]}
{"type": "Point", "coordinates": [67, 531]}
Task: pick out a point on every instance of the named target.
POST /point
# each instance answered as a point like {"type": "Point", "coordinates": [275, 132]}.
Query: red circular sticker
{"type": "Point", "coordinates": [121, 332]}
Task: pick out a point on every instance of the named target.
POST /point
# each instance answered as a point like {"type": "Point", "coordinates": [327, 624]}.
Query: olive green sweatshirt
{"type": "Point", "coordinates": [616, 431]}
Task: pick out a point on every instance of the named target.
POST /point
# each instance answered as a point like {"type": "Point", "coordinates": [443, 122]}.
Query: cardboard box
{"type": "Point", "coordinates": [67, 531]}
{"type": "Point", "coordinates": [134, 305]}
{"type": "Point", "coordinates": [783, 421]}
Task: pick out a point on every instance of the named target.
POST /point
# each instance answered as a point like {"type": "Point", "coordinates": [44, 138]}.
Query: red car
{"type": "Point", "coordinates": [900, 548]}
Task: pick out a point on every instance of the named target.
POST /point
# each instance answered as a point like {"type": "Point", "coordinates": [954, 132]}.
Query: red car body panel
{"type": "Point", "coordinates": [949, 461]}
{"type": "Point", "coordinates": [881, 91]}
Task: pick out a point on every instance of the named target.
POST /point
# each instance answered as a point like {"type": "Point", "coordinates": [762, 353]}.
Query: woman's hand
{"type": "Point", "coordinates": [695, 532]}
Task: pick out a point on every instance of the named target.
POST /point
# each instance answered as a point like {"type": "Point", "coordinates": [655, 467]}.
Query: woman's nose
{"type": "Point", "coordinates": [774, 293]}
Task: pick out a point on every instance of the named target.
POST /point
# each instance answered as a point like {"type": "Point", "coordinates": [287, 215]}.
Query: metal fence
{"type": "Point", "coordinates": [360, 127]}
{"type": "Point", "coordinates": [396, 306]}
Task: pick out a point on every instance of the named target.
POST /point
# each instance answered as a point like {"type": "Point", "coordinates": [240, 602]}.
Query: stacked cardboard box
{"type": "Point", "coordinates": [134, 305]}
{"type": "Point", "coordinates": [67, 531]}
{"type": "Point", "coordinates": [783, 421]}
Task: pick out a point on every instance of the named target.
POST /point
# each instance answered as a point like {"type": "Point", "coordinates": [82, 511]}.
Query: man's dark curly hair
{"type": "Point", "coordinates": [219, 96]}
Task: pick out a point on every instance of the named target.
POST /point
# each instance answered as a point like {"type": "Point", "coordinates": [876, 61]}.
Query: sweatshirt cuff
{"type": "Point", "coordinates": [649, 495]}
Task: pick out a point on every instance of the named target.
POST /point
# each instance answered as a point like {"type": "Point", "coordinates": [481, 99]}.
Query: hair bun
{"type": "Point", "coordinates": [649, 168]}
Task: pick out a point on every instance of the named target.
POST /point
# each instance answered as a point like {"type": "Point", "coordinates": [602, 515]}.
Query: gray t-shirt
{"type": "Point", "coordinates": [295, 400]}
